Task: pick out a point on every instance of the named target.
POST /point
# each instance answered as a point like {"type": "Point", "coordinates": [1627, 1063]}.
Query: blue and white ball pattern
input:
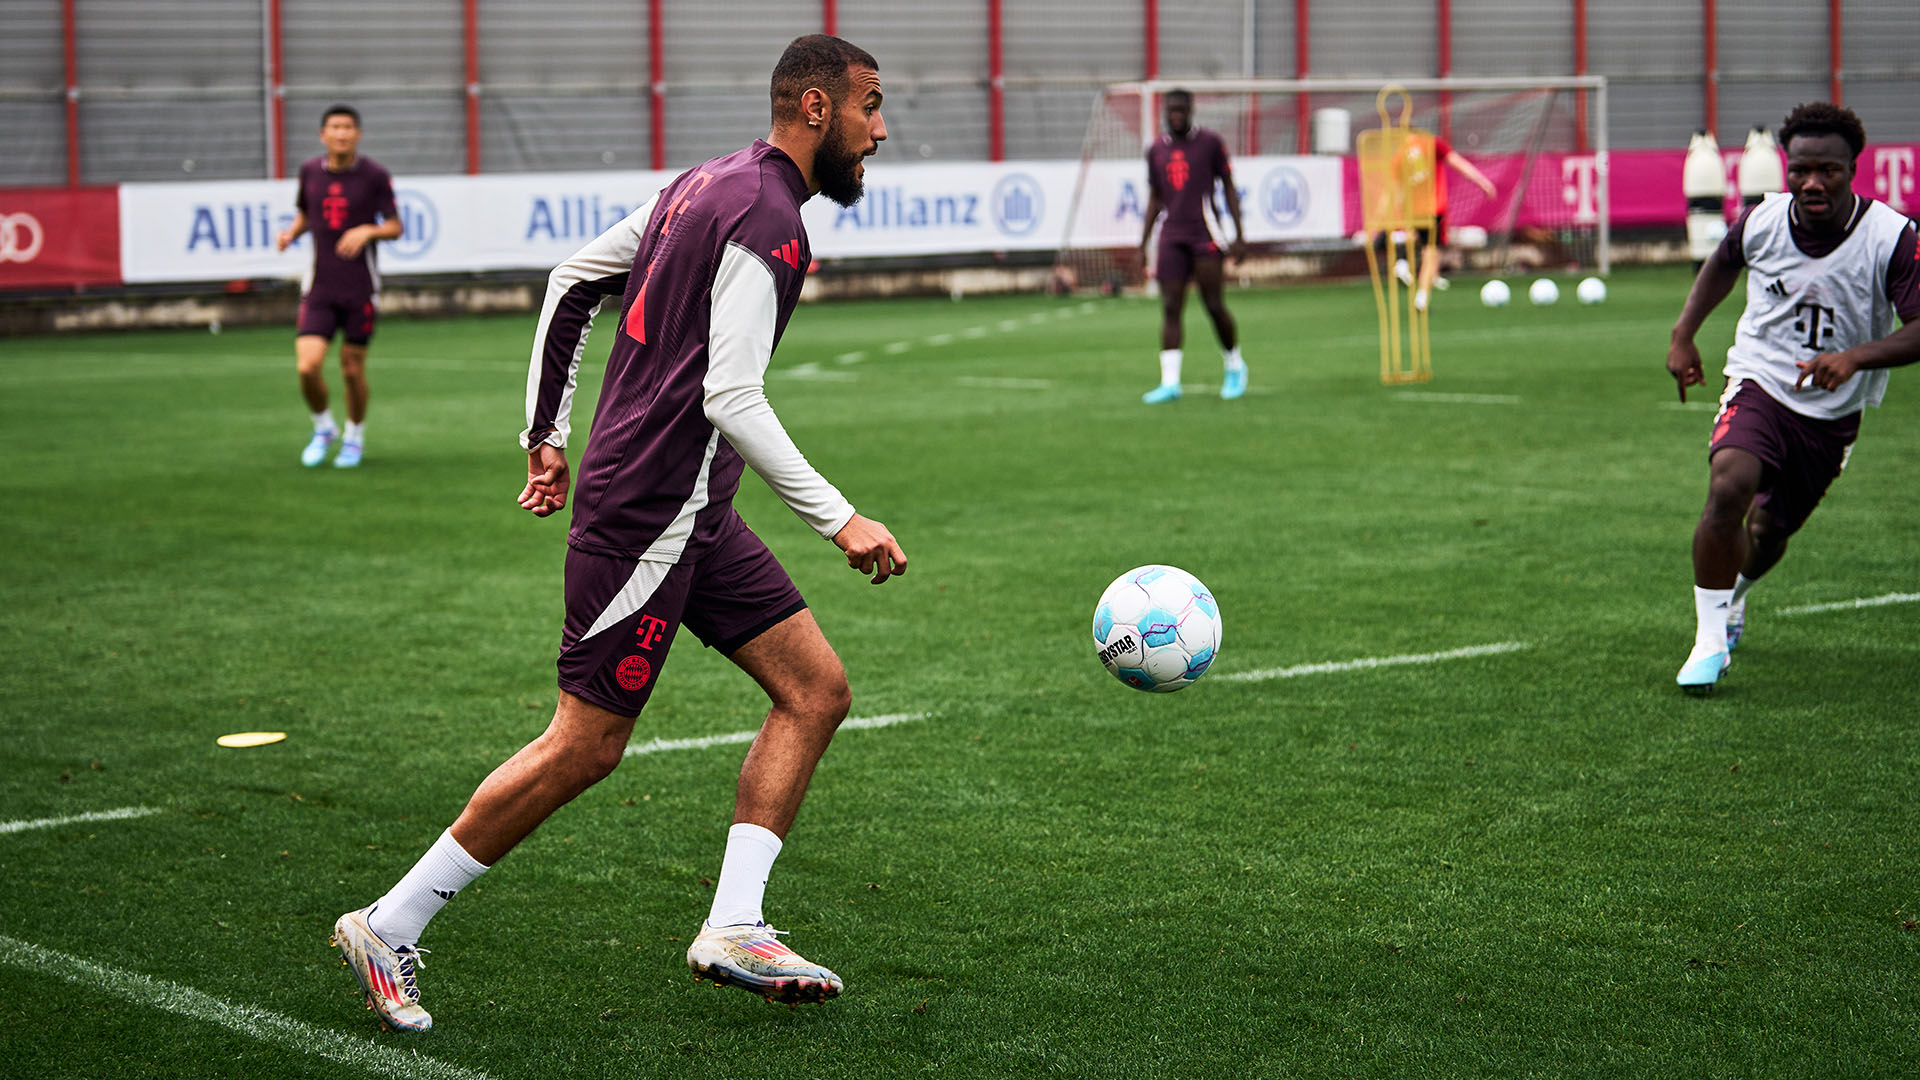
{"type": "Point", "coordinates": [1157, 628]}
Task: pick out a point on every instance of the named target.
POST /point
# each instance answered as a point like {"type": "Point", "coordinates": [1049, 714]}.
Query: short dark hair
{"type": "Point", "coordinates": [347, 111]}
{"type": "Point", "coordinates": [1183, 95]}
{"type": "Point", "coordinates": [1824, 118]}
{"type": "Point", "coordinates": [816, 60]}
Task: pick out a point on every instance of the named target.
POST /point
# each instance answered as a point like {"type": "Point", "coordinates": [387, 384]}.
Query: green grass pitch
{"type": "Point", "coordinates": [1546, 862]}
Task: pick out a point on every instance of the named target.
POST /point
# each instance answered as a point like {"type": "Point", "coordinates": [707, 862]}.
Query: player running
{"type": "Point", "coordinates": [1827, 271]}
{"type": "Point", "coordinates": [1182, 167]}
{"type": "Point", "coordinates": [346, 201]}
{"type": "Point", "coordinates": [708, 274]}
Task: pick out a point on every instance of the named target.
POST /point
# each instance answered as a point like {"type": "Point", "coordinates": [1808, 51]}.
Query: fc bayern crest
{"type": "Point", "coordinates": [633, 673]}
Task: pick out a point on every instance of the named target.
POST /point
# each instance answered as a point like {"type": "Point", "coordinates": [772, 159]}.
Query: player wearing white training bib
{"type": "Point", "coordinates": [1827, 273]}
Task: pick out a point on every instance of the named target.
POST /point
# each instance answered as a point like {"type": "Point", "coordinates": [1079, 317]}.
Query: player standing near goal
{"type": "Point", "coordinates": [708, 274]}
{"type": "Point", "coordinates": [1827, 272]}
{"type": "Point", "coordinates": [1182, 167]}
{"type": "Point", "coordinates": [346, 202]}
{"type": "Point", "coordinates": [1437, 153]}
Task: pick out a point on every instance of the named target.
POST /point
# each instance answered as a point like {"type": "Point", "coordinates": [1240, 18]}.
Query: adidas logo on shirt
{"type": "Point", "coordinates": [1776, 288]}
{"type": "Point", "coordinates": [789, 253]}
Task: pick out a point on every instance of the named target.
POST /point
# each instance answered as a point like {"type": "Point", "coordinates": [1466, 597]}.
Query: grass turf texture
{"type": "Point", "coordinates": [1548, 862]}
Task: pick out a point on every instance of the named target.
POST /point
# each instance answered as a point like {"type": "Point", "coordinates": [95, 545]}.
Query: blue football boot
{"type": "Point", "coordinates": [1235, 383]}
{"type": "Point", "coordinates": [1162, 393]}
{"type": "Point", "coordinates": [1699, 673]}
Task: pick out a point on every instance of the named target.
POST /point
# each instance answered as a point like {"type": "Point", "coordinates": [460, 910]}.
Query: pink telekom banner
{"type": "Point", "coordinates": [1645, 187]}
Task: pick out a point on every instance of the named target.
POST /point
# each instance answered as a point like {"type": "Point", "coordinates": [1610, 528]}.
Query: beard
{"type": "Point", "coordinates": [836, 166]}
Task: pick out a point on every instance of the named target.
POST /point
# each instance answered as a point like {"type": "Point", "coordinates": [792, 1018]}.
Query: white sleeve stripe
{"type": "Point", "coordinates": [745, 309]}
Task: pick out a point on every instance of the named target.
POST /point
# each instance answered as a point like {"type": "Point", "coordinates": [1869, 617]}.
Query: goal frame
{"type": "Point", "coordinates": [1150, 91]}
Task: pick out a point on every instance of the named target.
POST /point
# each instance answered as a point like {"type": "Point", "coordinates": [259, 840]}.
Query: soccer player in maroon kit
{"type": "Point", "coordinates": [707, 275]}
{"type": "Point", "coordinates": [1182, 167]}
{"type": "Point", "coordinates": [346, 202]}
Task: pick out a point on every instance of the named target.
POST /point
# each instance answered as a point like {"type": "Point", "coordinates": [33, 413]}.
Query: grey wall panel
{"type": "Point", "coordinates": [159, 139]}
{"type": "Point", "coordinates": [415, 133]}
{"type": "Point", "coordinates": [1047, 123]}
{"type": "Point", "coordinates": [1099, 40]}
{"type": "Point", "coordinates": [733, 45]}
{"type": "Point", "coordinates": [532, 133]}
{"type": "Point", "coordinates": [1880, 38]}
{"type": "Point", "coordinates": [36, 142]}
{"type": "Point", "coordinates": [1501, 37]}
{"type": "Point", "coordinates": [1886, 109]}
{"type": "Point", "coordinates": [1654, 115]}
{"type": "Point", "coordinates": [1744, 105]}
{"type": "Point", "coordinates": [1202, 37]}
{"type": "Point", "coordinates": [1274, 37]}
{"type": "Point", "coordinates": [935, 124]}
{"type": "Point", "coordinates": [1379, 37]}
{"type": "Point", "coordinates": [31, 47]}
{"type": "Point", "coordinates": [703, 124]}
{"type": "Point", "coordinates": [581, 42]}
{"type": "Point", "coordinates": [338, 46]}
{"type": "Point", "coordinates": [940, 39]}
{"type": "Point", "coordinates": [1644, 37]}
{"type": "Point", "coordinates": [1761, 38]}
{"type": "Point", "coordinates": [149, 44]}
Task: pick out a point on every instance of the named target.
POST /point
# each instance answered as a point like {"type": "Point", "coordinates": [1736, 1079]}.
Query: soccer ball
{"type": "Point", "coordinates": [1157, 628]}
{"type": "Point", "coordinates": [1543, 292]}
{"type": "Point", "coordinates": [1495, 293]}
{"type": "Point", "coordinates": [1591, 291]}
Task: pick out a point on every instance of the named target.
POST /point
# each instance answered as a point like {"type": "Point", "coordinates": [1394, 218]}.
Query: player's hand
{"type": "Point", "coordinates": [1683, 361]}
{"type": "Point", "coordinates": [1237, 251]}
{"type": "Point", "coordinates": [1143, 256]}
{"type": "Point", "coordinates": [284, 240]}
{"type": "Point", "coordinates": [352, 241]}
{"type": "Point", "coordinates": [1827, 371]}
{"type": "Point", "coordinates": [871, 549]}
{"type": "Point", "coordinates": [546, 490]}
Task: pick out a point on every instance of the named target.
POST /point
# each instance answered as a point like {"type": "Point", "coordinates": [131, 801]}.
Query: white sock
{"type": "Point", "coordinates": [1169, 367]}
{"type": "Point", "coordinates": [444, 870]}
{"type": "Point", "coordinates": [1710, 629]}
{"type": "Point", "coordinates": [1232, 358]}
{"type": "Point", "coordinates": [1740, 586]}
{"type": "Point", "coordinates": [323, 420]}
{"type": "Point", "coordinates": [355, 433]}
{"type": "Point", "coordinates": [743, 875]}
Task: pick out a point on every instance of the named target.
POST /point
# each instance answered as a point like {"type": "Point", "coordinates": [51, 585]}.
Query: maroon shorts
{"type": "Point", "coordinates": [1174, 257]}
{"type": "Point", "coordinates": [323, 315]}
{"type": "Point", "coordinates": [622, 613]}
{"type": "Point", "coordinates": [1801, 455]}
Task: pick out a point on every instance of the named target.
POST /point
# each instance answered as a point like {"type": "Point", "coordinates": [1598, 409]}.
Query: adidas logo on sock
{"type": "Point", "coordinates": [444, 894]}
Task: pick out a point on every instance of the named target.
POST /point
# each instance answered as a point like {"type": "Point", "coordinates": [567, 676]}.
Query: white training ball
{"type": "Point", "coordinates": [1157, 628]}
{"type": "Point", "coordinates": [1495, 293]}
{"type": "Point", "coordinates": [1591, 291]}
{"type": "Point", "coordinates": [1543, 292]}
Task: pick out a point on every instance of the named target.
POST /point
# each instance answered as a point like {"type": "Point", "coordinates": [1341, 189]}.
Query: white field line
{"type": "Point", "coordinates": [850, 357]}
{"type": "Point", "coordinates": [1692, 406]}
{"type": "Point", "coordinates": [75, 819]}
{"type": "Point", "coordinates": [989, 383]}
{"type": "Point", "coordinates": [940, 339]}
{"type": "Point", "coordinates": [1375, 662]}
{"type": "Point", "coordinates": [1850, 605]}
{"type": "Point", "coordinates": [249, 1020]}
{"type": "Point", "coordinates": [654, 746]}
{"type": "Point", "coordinates": [895, 348]}
{"type": "Point", "coordinates": [1458, 399]}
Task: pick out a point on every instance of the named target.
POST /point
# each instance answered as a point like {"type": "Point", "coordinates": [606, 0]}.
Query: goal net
{"type": "Point", "coordinates": [1542, 142]}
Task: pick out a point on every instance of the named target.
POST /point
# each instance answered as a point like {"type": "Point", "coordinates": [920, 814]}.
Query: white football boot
{"type": "Point", "coordinates": [751, 957]}
{"type": "Point", "coordinates": [316, 449]}
{"type": "Point", "coordinates": [386, 974]}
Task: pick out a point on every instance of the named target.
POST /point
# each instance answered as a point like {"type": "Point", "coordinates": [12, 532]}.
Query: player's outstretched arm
{"type": "Point", "coordinates": [358, 237]}
{"type": "Point", "coordinates": [870, 548]}
{"type": "Point", "coordinates": [1471, 172]}
{"type": "Point", "coordinates": [547, 479]}
{"type": "Point", "coordinates": [1716, 280]}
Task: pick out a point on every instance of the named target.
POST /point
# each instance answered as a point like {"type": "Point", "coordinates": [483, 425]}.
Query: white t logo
{"type": "Point", "coordinates": [1577, 187]}
{"type": "Point", "coordinates": [1893, 175]}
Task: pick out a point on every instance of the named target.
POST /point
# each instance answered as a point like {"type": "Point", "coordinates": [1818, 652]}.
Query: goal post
{"type": "Point", "coordinates": [1542, 141]}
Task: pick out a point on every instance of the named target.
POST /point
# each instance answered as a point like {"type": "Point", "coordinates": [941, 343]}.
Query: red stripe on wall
{"type": "Point", "coordinates": [277, 57]}
{"type": "Point", "coordinates": [1710, 33]}
{"type": "Point", "coordinates": [68, 37]}
{"type": "Point", "coordinates": [1834, 89]}
{"type": "Point", "coordinates": [1302, 66]}
{"type": "Point", "coordinates": [657, 82]}
{"type": "Point", "coordinates": [996, 84]}
{"type": "Point", "coordinates": [472, 20]}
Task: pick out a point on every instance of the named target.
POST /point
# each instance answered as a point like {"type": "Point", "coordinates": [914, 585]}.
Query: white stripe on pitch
{"type": "Point", "coordinates": [654, 746]}
{"type": "Point", "coordinates": [250, 1020]}
{"type": "Point", "coordinates": [75, 819]}
{"type": "Point", "coordinates": [1849, 605]}
{"type": "Point", "coordinates": [1458, 399]}
{"type": "Point", "coordinates": [1375, 662]}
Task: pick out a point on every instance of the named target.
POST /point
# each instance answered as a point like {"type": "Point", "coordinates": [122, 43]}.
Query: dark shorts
{"type": "Point", "coordinates": [323, 315]}
{"type": "Point", "coordinates": [1175, 256]}
{"type": "Point", "coordinates": [622, 613]}
{"type": "Point", "coordinates": [1800, 454]}
{"type": "Point", "coordinates": [1437, 235]}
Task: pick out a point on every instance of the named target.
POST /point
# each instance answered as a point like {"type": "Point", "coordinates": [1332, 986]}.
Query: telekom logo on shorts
{"type": "Point", "coordinates": [647, 634]}
{"type": "Point", "coordinates": [21, 237]}
{"type": "Point", "coordinates": [1893, 175]}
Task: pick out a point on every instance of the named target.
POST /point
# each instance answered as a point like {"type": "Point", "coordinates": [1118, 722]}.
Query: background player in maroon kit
{"type": "Point", "coordinates": [346, 202]}
{"type": "Point", "coordinates": [707, 275]}
{"type": "Point", "coordinates": [1182, 167]}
